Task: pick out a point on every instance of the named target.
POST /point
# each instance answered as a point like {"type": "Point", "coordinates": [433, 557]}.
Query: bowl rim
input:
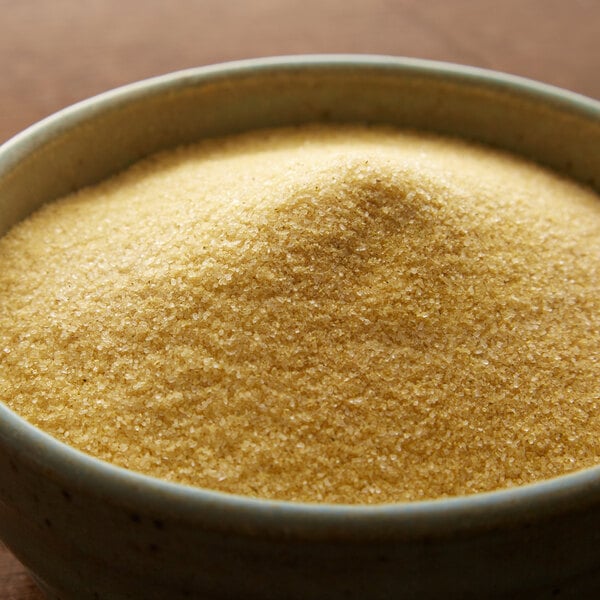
{"type": "Point", "coordinates": [72, 468]}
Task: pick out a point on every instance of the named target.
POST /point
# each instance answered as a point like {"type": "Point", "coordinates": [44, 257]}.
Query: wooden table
{"type": "Point", "coordinates": [53, 53]}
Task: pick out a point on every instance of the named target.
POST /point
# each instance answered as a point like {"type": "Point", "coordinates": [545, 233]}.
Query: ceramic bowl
{"type": "Point", "coordinates": [88, 530]}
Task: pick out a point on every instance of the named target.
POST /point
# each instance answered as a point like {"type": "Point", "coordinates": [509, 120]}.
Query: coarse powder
{"type": "Point", "coordinates": [320, 314]}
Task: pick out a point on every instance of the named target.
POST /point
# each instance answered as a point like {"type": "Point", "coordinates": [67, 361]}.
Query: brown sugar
{"type": "Point", "coordinates": [320, 314]}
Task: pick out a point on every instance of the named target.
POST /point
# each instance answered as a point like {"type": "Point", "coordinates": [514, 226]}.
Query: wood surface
{"type": "Point", "coordinates": [55, 52]}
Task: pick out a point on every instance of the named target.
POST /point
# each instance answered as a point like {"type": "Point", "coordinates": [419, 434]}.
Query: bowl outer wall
{"type": "Point", "coordinates": [98, 137]}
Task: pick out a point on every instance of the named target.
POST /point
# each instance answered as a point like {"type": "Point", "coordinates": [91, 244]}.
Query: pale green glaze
{"type": "Point", "coordinates": [93, 531]}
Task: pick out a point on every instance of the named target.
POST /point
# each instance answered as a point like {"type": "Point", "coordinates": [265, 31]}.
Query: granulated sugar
{"type": "Point", "coordinates": [318, 314]}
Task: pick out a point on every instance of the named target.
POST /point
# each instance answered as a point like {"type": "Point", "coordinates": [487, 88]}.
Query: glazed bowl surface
{"type": "Point", "coordinates": [88, 530]}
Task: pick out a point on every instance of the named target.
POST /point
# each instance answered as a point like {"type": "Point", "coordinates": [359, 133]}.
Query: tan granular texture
{"type": "Point", "coordinates": [344, 315]}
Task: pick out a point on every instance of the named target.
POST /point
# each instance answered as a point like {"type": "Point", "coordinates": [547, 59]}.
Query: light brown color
{"type": "Point", "coordinates": [68, 55]}
{"type": "Point", "coordinates": [343, 315]}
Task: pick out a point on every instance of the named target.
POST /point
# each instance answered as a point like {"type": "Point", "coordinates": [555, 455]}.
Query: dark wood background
{"type": "Point", "coordinates": [55, 52]}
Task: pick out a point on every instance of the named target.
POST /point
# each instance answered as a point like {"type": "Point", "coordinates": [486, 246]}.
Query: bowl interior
{"type": "Point", "coordinates": [87, 142]}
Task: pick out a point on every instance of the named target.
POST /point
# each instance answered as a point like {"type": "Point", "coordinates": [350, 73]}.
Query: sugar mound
{"type": "Point", "coordinates": [320, 314]}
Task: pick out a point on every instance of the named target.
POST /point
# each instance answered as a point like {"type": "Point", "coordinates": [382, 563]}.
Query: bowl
{"type": "Point", "coordinates": [88, 530]}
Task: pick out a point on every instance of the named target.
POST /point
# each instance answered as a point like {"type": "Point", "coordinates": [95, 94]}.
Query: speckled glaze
{"type": "Point", "coordinates": [91, 531]}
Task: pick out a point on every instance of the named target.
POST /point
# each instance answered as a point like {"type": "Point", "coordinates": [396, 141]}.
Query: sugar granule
{"type": "Point", "coordinates": [319, 314]}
